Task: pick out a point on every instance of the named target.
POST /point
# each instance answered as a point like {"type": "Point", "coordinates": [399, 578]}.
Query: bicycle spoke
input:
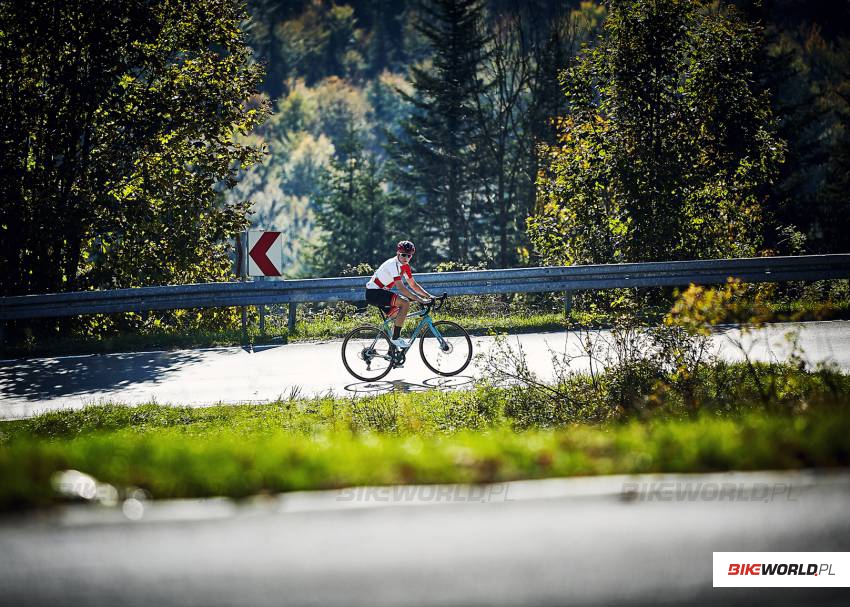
{"type": "Point", "coordinates": [365, 353]}
{"type": "Point", "coordinates": [449, 351]}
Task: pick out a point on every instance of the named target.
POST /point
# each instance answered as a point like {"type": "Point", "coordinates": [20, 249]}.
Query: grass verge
{"type": "Point", "coordinates": [469, 437]}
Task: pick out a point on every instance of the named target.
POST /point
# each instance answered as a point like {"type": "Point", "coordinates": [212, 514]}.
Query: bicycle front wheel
{"type": "Point", "coordinates": [366, 353]}
{"type": "Point", "coordinates": [448, 351]}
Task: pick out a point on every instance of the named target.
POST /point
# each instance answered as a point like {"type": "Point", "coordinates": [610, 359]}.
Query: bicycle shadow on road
{"type": "Point", "coordinates": [400, 385]}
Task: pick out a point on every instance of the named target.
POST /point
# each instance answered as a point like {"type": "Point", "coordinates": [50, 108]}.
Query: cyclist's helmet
{"type": "Point", "coordinates": [405, 246]}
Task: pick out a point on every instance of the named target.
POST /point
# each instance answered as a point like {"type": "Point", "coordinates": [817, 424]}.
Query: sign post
{"type": "Point", "coordinates": [262, 253]}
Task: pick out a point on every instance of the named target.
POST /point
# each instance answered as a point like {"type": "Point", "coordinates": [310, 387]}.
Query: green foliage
{"type": "Point", "coordinates": [713, 168]}
{"type": "Point", "coordinates": [668, 149]}
{"type": "Point", "coordinates": [118, 139]}
{"type": "Point", "coordinates": [805, 62]}
{"type": "Point", "coordinates": [435, 160]}
{"type": "Point", "coordinates": [358, 221]}
{"type": "Point", "coordinates": [466, 437]}
{"type": "Point", "coordinates": [318, 39]}
{"type": "Point", "coordinates": [309, 139]}
{"type": "Point", "coordinates": [470, 161]}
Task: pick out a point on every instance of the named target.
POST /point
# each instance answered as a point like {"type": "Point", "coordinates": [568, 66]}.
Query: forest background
{"type": "Point", "coordinates": [360, 152]}
{"type": "Point", "coordinates": [493, 133]}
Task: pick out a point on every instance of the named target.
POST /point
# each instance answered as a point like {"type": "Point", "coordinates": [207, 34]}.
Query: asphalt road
{"type": "Point", "coordinates": [233, 375]}
{"type": "Point", "coordinates": [557, 542]}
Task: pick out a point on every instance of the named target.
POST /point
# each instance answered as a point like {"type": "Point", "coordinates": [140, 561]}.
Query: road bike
{"type": "Point", "coordinates": [445, 346]}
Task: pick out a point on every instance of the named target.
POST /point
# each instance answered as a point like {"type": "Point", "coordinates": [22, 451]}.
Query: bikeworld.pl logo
{"type": "Point", "coordinates": [497, 492]}
{"type": "Point", "coordinates": [780, 569]}
{"type": "Point", "coordinates": [668, 491]}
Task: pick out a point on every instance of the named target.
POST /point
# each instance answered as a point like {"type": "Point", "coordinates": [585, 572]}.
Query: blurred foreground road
{"type": "Point", "coordinates": [236, 375]}
{"type": "Point", "coordinates": [556, 542]}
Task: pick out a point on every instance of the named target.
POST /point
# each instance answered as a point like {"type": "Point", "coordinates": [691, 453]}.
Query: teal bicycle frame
{"type": "Point", "coordinates": [425, 322]}
{"type": "Point", "coordinates": [367, 352]}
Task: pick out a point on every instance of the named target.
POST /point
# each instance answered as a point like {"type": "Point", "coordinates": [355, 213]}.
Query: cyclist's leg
{"type": "Point", "coordinates": [385, 301]}
{"type": "Point", "coordinates": [403, 305]}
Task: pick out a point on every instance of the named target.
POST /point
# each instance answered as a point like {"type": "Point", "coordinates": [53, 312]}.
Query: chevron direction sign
{"type": "Point", "coordinates": [265, 253]}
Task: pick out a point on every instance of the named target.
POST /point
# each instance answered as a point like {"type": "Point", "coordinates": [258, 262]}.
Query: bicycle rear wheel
{"type": "Point", "coordinates": [448, 354]}
{"type": "Point", "coordinates": [366, 353]}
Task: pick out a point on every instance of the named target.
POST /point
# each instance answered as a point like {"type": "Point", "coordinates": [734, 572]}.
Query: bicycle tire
{"type": "Point", "coordinates": [380, 335]}
{"type": "Point", "coordinates": [450, 327]}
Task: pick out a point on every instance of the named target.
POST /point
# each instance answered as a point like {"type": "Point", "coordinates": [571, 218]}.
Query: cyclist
{"type": "Point", "coordinates": [393, 273]}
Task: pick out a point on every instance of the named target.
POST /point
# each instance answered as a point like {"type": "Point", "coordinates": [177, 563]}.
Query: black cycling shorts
{"type": "Point", "coordinates": [386, 300]}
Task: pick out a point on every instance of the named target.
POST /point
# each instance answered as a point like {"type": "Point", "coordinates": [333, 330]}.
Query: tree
{"type": "Point", "coordinates": [436, 160]}
{"type": "Point", "coordinates": [386, 43]}
{"type": "Point", "coordinates": [668, 148]}
{"type": "Point", "coordinates": [357, 219]}
{"type": "Point", "coordinates": [505, 131]}
{"type": "Point", "coordinates": [263, 31]}
{"type": "Point", "coordinates": [805, 63]}
{"type": "Point", "coordinates": [118, 125]}
{"type": "Point", "coordinates": [308, 126]}
{"type": "Point", "coordinates": [553, 46]}
{"type": "Point", "coordinates": [527, 47]}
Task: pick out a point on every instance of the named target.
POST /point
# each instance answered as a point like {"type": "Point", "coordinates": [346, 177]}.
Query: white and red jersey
{"type": "Point", "coordinates": [389, 274]}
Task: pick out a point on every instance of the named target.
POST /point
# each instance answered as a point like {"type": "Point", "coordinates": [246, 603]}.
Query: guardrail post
{"type": "Point", "coordinates": [568, 303]}
{"type": "Point", "coordinates": [262, 310]}
{"type": "Point", "coordinates": [244, 325]}
{"type": "Point", "coordinates": [291, 320]}
{"type": "Point", "coordinates": [241, 274]}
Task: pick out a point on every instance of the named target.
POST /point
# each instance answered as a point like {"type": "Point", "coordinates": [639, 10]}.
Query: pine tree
{"type": "Point", "coordinates": [356, 217]}
{"type": "Point", "coordinates": [437, 159]}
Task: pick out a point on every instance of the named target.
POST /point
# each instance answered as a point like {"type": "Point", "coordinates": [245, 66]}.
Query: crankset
{"type": "Point", "coordinates": [399, 357]}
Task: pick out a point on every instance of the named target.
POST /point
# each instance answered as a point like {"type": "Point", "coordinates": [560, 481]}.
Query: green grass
{"type": "Point", "coordinates": [170, 462]}
{"type": "Point", "coordinates": [482, 435]}
{"type": "Point", "coordinates": [809, 310]}
{"type": "Point", "coordinates": [329, 328]}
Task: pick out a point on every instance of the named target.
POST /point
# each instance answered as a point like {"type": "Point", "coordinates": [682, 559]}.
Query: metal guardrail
{"type": "Point", "coordinates": [520, 280]}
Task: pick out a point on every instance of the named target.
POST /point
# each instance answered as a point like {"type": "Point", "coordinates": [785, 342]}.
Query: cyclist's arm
{"type": "Point", "coordinates": [419, 289]}
{"type": "Point", "coordinates": [402, 288]}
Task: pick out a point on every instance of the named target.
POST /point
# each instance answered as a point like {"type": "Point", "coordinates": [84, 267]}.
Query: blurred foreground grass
{"type": "Point", "coordinates": [482, 435]}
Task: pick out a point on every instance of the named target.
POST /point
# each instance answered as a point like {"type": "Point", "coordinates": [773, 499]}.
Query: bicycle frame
{"type": "Point", "coordinates": [425, 322]}
{"type": "Point", "coordinates": [367, 352]}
